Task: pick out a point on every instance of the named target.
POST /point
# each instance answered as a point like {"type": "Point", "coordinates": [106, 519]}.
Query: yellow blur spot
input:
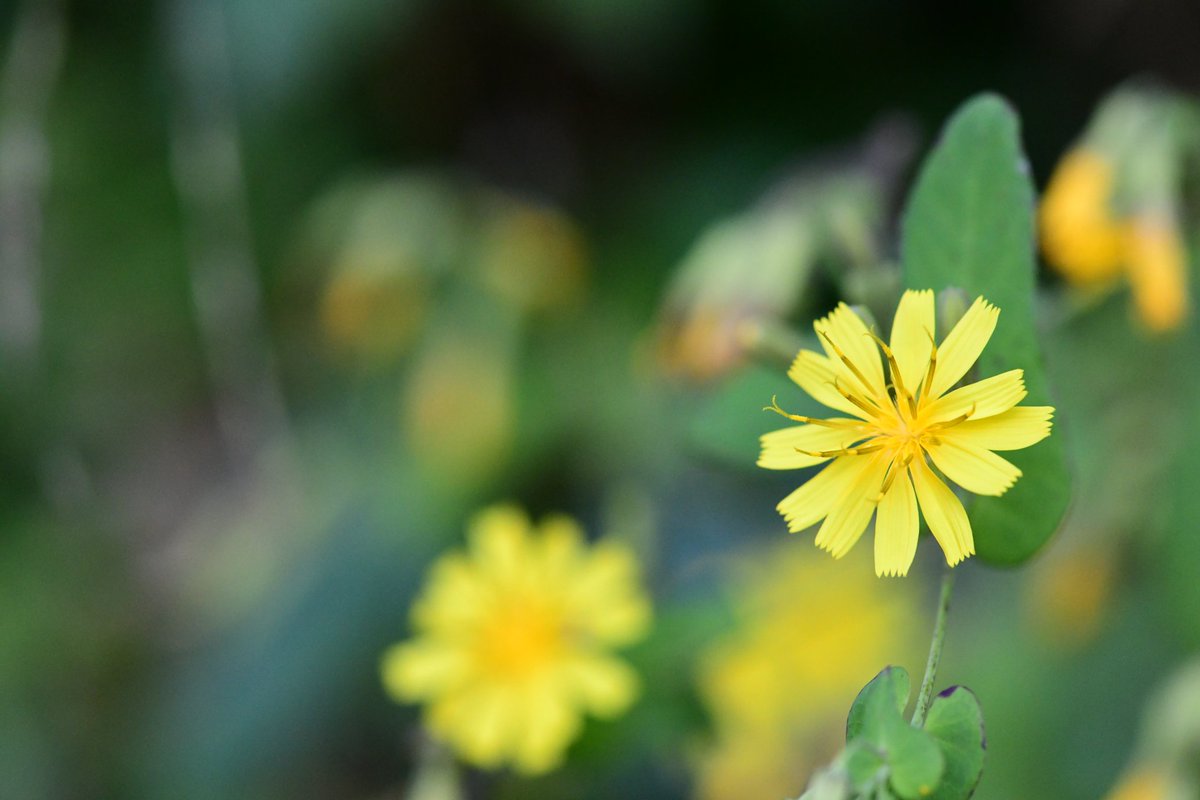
{"type": "Point", "coordinates": [1070, 597]}
{"type": "Point", "coordinates": [1157, 272]}
{"type": "Point", "coordinates": [533, 258]}
{"type": "Point", "coordinates": [809, 635]}
{"type": "Point", "coordinates": [1091, 245]}
{"type": "Point", "coordinates": [1081, 236]}
{"type": "Point", "coordinates": [1144, 784]}
{"type": "Point", "coordinates": [373, 313]}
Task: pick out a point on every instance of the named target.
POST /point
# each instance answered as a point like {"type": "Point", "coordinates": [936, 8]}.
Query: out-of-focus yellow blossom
{"type": "Point", "coordinates": [1157, 271]}
{"type": "Point", "coordinates": [459, 406]}
{"type": "Point", "coordinates": [513, 640]}
{"type": "Point", "coordinates": [532, 257]}
{"type": "Point", "coordinates": [881, 458]}
{"type": "Point", "coordinates": [373, 310]}
{"type": "Point", "coordinates": [1164, 762]}
{"type": "Point", "coordinates": [383, 242]}
{"type": "Point", "coordinates": [809, 636]}
{"type": "Point", "coordinates": [1070, 595]}
{"type": "Point", "coordinates": [1081, 235]}
{"type": "Point", "coordinates": [1086, 240]}
{"type": "Point", "coordinates": [1145, 784]}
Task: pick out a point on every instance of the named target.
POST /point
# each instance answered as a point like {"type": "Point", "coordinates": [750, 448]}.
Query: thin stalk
{"type": "Point", "coordinates": [935, 650]}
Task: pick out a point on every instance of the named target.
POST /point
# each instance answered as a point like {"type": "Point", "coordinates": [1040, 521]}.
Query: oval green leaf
{"type": "Point", "coordinates": [955, 721]}
{"type": "Point", "coordinates": [969, 224]}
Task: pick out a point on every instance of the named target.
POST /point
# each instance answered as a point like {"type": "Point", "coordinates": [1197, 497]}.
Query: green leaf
{"type": "Point", "coordinates": [727, 424]}
{"type": "Point", "coordinates": [955, 721]}
{"type": "Point", "coordinates": [969, 224]}
{"type": "Point", "coordinates": [881, 699]}
{"type": "Point", "coordinates": [864, 765]}
{"type": "Point", "coordinates": [915, 760]}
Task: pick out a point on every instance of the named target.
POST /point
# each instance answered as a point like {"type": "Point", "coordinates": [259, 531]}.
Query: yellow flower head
{"type": "Point", "coordinates": [513, 637]}
{"type": "Point", "coordinates": [901, 427]}
{"type": "Point", "coordinates": [1081, 236]}
{"type": "Point", "coordinates": [1090, 244]}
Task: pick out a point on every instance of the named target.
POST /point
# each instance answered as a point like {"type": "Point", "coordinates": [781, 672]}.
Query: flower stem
{"type": "Point", "coordinates": [935, 650]}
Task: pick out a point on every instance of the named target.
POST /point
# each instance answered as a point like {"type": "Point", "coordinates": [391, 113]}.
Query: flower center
{"type": "Point", "coordinates": [520, 638]}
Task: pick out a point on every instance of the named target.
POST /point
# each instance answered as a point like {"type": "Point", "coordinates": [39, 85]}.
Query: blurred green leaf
{"type": "Point", "coordinates": [727, 423]}
{"type": "Point", "coordinates": [955, 721]}
{"type": "Point", "coordinates": [969, 224]}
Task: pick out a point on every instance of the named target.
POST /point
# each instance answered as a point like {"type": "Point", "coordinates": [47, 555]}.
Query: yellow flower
{"type": "Point", "coordinates": [1081, 235]}
{"type": "Point", "coordinates": [777, 687]}
{"type": "Point", "coordinates": [882, 457]}
{"type": "Point", "coordinates": [513, 640]}
{"type": "Point", "coordinates": [1091, 245]}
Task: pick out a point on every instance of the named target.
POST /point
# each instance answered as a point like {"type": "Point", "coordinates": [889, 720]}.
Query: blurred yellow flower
{"type": "Point", "coordinates": [1086, 240]}
{"type": "Point", "coordinates": [880, 460]}
{"type": "Point", "coordinates": [1081, 236]}
{"type": "Point", "coordinates": [459, 407]}
{"type": "Point", "coordinates": [533, 257]}
{"type": "Point", "coordinates": [1070, 594]}
{"type": "Point", "coordinates": [1157, 271]}
{"type": "Point", "coordinates": [513, 638]}
{"type": "Point", "coordinates": [1146, 784]}
{"type": "Point", "coordinates": [374, 312]}
{"type": "Point", "coordinates": [777, 687]}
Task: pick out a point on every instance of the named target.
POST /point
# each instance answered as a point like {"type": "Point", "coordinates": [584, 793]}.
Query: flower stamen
{"type": "Point", "coordinates": [872, 409]}
{"type": "Point", "coordinates": [828, 423]}
{"type": "Point", "coordinates": [845, 451]}
{"type": "Point", "coordinates": [866, 385]}
{"type": "Point", "coordinates": [897, 379]}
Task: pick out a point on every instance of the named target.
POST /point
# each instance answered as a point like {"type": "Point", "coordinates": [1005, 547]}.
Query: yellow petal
{"type": "Point", "coordinates": [549, 724]}
{"type": "Point", "coordinates": [945, 515]}
{"type": "Point", "coordinates": [1017, 428]}
{"type": "Point", "coordinates": [896, 528]}
{"type": "Point", "coordinates": [814, 500]}
{"type": "Point", "coordinates": [421, 668]}
{"type": "Point", "coordinates": [456, 597]}
{"type": "Point", "coordinates": [912, 336]}
{"type": "Point", "coordinates": [848, 333]}
{"type": "Point", "coordinates": [974, 468]}
{"type": "Point", "coordinates": [984, 398]}
{"type": "Point", "coordinates": [603, 685]}
{"type": "Point", "coordinates": [605, 599]}
{"type": "Point", "coordinates": [813, 373]}
{"type": "Point", "coordinates": [852, 510]}
{"type": "Point", "coordinates": [962, 347]}
{"type": "Point", "coordinates": [557, 552]}
{"type": "Point", "coordinates": [779, 448]}
{"type": "Point", "coordinates": [489, 718]}
{"type": "Point", "coordinates": [498, 539]}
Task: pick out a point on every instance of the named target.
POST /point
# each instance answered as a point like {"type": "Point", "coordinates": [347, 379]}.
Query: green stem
{"type": "Point", "coordinates": [935, 650]}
